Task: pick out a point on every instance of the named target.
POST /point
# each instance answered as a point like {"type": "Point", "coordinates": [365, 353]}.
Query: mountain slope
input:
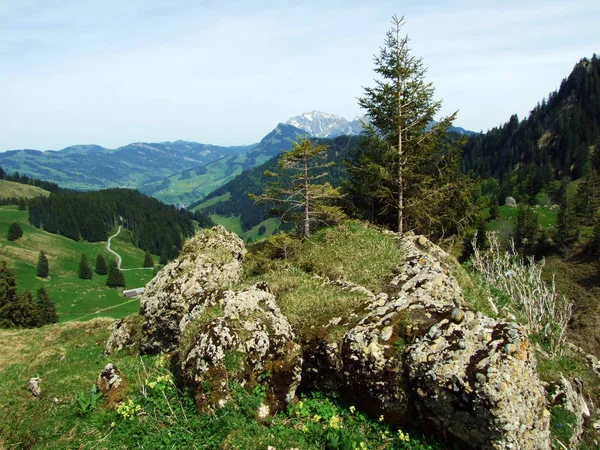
{"type": "Point", "coordinates": [555, 142]}
{"type": "Point", "coordinates": [94, 167]}
{"type": "Point", "coordinates": [10, 189]}
{"type": "Point", "coordinates": [193, 184]}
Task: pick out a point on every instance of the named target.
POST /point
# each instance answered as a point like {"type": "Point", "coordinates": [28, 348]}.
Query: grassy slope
{"type": "Point", "coordinates": [234, 223]}
{"type": "Point", "coordinates": [10, 189]}
{"type": "Point", "coordinates": [75, 299]}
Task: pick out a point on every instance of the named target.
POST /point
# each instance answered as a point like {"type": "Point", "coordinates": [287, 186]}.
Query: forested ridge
{"type": "Point", "coordinates": [557, 140]}
{"type": "Point", "coordinates": [155, 226]}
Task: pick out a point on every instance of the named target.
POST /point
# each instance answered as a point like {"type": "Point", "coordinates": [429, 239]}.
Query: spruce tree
{"type": "Point", "coordinates": [21, 312]}
{"type": "Point", "coordinates": [14, 231]}
{"type": "Point", "coordinates": [494, 208]}
{"type": "Point", "coordinates": [567, 228]}
{"type": "Point", "coordinates": [46, 309]}
{"type": "Point", "coordinates": [101, 268]}
{"type": "Point", "coordinates": [406, 172]}
{"type": "Point", "coordinates": [42, 265]}
{"type": "Point", "coordinates": [164, 256]}
{"type": "Point", "coordinates": [22, 204]}
{"type": "Point", "coordinates": [85, 272]}
{"type": "Point", "coordinates": [115, 276]}
{"type": "Point", "coordinates": [298, 194]}
{"type": "Point", "coordinates": [8, 286]}
{"type": "Point", "coordinates": [148, 260]}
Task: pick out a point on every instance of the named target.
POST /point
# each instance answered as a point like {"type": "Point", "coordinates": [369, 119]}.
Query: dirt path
{"type": "Point", "coordinates": [119, 260]}
{"type": "Point", "coordinates": [104, 309]}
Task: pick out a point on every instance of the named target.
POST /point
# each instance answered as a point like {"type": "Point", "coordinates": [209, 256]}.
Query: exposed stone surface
{"type": "Point", "coordinates": [210, 260]}
{"type": "Point", "coordinates": [510, 202]}
{"type": "Point", "coordinates": [126, 333]}
{"type": "Point", "coordinates": [241, 336]}
{"type": "Point", "coordinates": [421, 354]}
{"type": "Point", "coordinates": [112, 384]}
{"type": "Point", "coordinates": [568, 394]}
{"type": "Point", "coordinates": [35, 386]}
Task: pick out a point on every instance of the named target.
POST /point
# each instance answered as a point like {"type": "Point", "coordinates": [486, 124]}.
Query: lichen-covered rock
{"type": "Point", "coordinates": [421, 354]}
{"type": "Point", "coordinates": [568, 395]}
{"type": "Point", "coordinates": [35, 386]}
{"type": "Point", "coordinates": [210, 260]}
{"type": "Point", "coordinates": [112, 384]}
{"type": "Point", "coordinates": [243, 337]}
{"type": "Point", "coordinates": [126, 333]}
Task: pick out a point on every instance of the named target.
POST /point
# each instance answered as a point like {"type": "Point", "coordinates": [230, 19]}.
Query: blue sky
{"type": "Point", "coordinates": [226, 72]}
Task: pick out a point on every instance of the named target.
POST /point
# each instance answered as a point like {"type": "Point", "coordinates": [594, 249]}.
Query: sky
{"type": "Point", "coordinates": [112, 72]}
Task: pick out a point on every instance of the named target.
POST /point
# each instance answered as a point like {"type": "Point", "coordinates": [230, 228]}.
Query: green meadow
{"type": "Point", "coordinates": [75, 299]}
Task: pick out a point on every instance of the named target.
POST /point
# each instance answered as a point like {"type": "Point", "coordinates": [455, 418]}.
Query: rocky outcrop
{"type": "Point", "coordinates": [126, 333]}
{"type": "Point", "coordinates": [212, 259]}
{"type": "Point", "coordinates": [243, 337]}
{"type": "Point", "coordinates": [35, 386]}
{"type": "Point", "coordinates": [421, 354]}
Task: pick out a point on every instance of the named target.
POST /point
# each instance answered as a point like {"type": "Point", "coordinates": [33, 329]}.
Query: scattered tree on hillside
{"type": "Point", "coordinates": [148, 260]}
{"type": "Point", "coordinates": [567, 228]}
{"type": "Point", "coordinates": [14, 232]}
{"type": "Point", "coordinates": [164, 256]}
{"type": "Point", "coordinates": [494, 208]}
{"type": "Point", "coordinates": [42, 265]}
{"type": "Point", "coordinates": [101, 268]}
{"type": "Point", "coordinates": [527, 227]}
{"type": "Point", "coordinates": [407, 171]}
{"type": "Point", "coordinates": [297, 194]}
{"type": "Point", "coordinates": [85, 272]}
{"type": "Point", "coordinates": [46, 309]}
{"type": "Point", "coordinates": [22, 312]}
{"type": "Point", "coordinates": [8, 292]}
{"type": "Point", "coordinates": [115, 276]}
{"type": "Point", "coordinates": [22, 204]}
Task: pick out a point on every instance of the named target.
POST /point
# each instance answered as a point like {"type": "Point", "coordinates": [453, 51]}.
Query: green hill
{"type": "Point", "coordinates": [75, 299]}
{"type": "Point", "coordinates": [10, 189]}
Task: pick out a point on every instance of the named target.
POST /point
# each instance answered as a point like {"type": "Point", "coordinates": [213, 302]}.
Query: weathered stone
{"type": "Point", "coordinates": [35, 386]}
{"type": "Point", "coordinates": [112, 384]}
{"type": "Point", "coordinates": [466, 377]}
{"type": "Point", "coordinates": [241, 337]}
{"type": "Point", "coordinates": [126, 333]}
{"type": "Point", "coordinates": [510, 202]}
{"type": "Point", "coordinates": [568, 394]}
{"type": "Point", "coordinates": [176, 295]}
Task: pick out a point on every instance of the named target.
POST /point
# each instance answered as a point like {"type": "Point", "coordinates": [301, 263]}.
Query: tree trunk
{"type": "Point", "coordinates": [400, 163]}
{"type": "Point", "coordinates": [306, 210]}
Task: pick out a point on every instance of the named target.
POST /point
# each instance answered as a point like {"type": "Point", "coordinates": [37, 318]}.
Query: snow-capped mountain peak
{"type": "Point", "coordinates": [324, 125]}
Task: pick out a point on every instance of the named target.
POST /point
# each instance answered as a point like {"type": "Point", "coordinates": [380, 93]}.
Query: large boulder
{"type": "Point", "coordinates": [420, 354]}
{"type": "Point", "coordinates": [210, 260]}
{"type": "Point", "coordinates": [243, 337]}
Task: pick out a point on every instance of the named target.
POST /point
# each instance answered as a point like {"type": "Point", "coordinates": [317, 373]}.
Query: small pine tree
{"type": "Point", "coordinates": [115, 276]}
{"type": "Point", "coordinates": [22, 204]}
{"type": "Point", "coordinates": [101, 268]}
{"type": "Point", "coordinates": [46, 309]}
{"type": "Point", "coordinates": [42, 265]}
{"type": "Point", "coordinates": [85, 272]}
{"type": "Point", "coordinates": [494, 208]}
{"type": "Point", "coordinates": [14, 232]}
{"type": "Point", "coordinates": [148, 260]}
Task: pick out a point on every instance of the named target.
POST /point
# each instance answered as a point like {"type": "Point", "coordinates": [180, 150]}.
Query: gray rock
{"type": "Point", "coordinates": [112, 384]}
{"type": "Point", "coordinates": [510, 202]}
{"type": "Point", "coordinates": [467, 377]}
{"type": "Point", "coordinates": [126, 333]}
{"type": "Point", "coordinates": [210, 260]}
{"type": "Point", "coordinates": [243, 337]}
{"type": "Point", "coordinates": [35, 386]}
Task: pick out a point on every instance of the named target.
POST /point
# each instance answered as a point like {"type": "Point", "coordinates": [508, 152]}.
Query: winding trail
{"type": "Point", "coordinates": [119, 260]}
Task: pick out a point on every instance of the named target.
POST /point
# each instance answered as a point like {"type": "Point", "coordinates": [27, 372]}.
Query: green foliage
{"type": "Point", "coordinates": [14, 231]}
{"type": "Point", "coordinates": [47, 313]}
{"type": "Point", "coordinates": [148, 260]}
{"type": "Point", "coordinates": [562, 424]}
{"type": "Point", "coordinates": [115, 277]}
{"type": "Point", "coordinates": [86, 402]}
{"type": "Point", "coordinates": [101, 268]}
{"type": "Point", "coordinates": [22, 204]}
{"type": "Point", "coordinates": [298, 193]}
{"type": "Point", "coordinates": [42, 265]}
{"type": "Point", "coordinates": [406, 175]}
{"type": "Point", "coordinates": [527, 227]}
{"type": "Point", "coordinates": [85, 272]}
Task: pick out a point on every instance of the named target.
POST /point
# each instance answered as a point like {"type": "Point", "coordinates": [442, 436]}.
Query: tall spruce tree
{"type": "Point", "coordinates": [8, 293]}
{"type": "Point", "coordinates": [46, 308]}
{"type": "Point", "coordinates": [406, 171]}
{"type": "Point", "coordinates": [115, 276]}
{"type": "Point", "coordinates": [85, 272]}
{"type": "Point", "coordinates": [22, 312]}
{"type": "Point", "coordinates": [101, 268]}
{"type": "Point", "coordinates": [148, 260]}
{"type": "Point", "coordinates": [298, 194]}
{"type": "Point", "coordinates": [42, 265]}
{"type": "Point", "coordinates": [14, 231]}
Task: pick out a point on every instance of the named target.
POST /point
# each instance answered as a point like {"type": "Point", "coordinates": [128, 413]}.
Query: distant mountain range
{"type": "Point", "coordinates": [179, 172]}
